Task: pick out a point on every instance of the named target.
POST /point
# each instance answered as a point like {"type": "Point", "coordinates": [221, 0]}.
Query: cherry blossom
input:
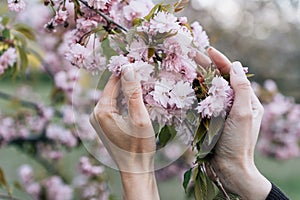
{"type": "Point", "coordinates": [182, 95]}
{"type": "Point", "coordinates": [57, 190]}
{"type": "Point", "coordinates": [201, 40]}
{"type": "Point", "coordinates": [137, 9]}
{"type": "Point", "coordinates": [16, 5]}
{"type": "Point", "coordinates": [98, 4]}
{"type": "Point", "coordinates": [164, 23]}
{"type": "Point", "coordinates": [58, 133]}
{"type": "Point", "coordinates": [8, 58]}
{"type": "Point", "coordinates": [219, 101]}
{"type": "Point", "coordinates": [116, 64]}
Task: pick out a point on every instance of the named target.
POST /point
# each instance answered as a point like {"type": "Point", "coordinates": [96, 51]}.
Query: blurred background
{"type": "Point", "coordinates": [263, 34]}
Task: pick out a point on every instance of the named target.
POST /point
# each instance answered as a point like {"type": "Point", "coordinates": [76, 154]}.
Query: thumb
{"type": "Point", "coordinates": [242, 89]}
{"type": "Point", "coordinates": [132, 91]}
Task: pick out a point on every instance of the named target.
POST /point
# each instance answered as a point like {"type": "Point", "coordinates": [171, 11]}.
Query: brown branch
{"type": "Point", "coordinates": [24, 103]}
{"type": "Point", "coordinates": [3, 196]}
{"type": "Point", "coordinates": [107, 19]}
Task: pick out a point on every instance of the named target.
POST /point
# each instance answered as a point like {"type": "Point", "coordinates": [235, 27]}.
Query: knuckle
{"type": "Point", "coordinates": [244, 115]}
{"type": "Point", "coordinates": [103, 115]}
{"type": "Point", "coordinates": [244, 84]}
{"type": "Point", "coordinates": [141, 123]}
{"type": "Point", "coordinates": [134, 94]}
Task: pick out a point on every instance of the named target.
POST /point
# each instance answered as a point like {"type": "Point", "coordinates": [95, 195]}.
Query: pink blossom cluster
{"type": "Point", "coordinates": [16, 5]}
{"type": "Point", "coordinates": [61, 15]}
{"type": "Point", "coordinates": [86, 167]}
{"type": "Point", "coordinates": [169, 92]}
{"type": "Point", "coordinates": [88, 181]}
{"type": "Point", "coordinates": [280, 129]}
{"type": "Point", "coordinates": [8, 58]}
{"type": "Point", "coordinates": [167, 73]}
{"type": "Point", "coordinates": [53, 187]}
{"type": "Point", "coordinates": [219, 101]}
{"type": "Point", "coordinates": [27, 179]}
{"type": "Point", "coordinates": [61, 135]}
{"type": "Point", "coordinates": [12, 128]}
{"type": "Point", "coordinates": [56, 189]}
{"type": "Point", "coordinates": [161, 49]}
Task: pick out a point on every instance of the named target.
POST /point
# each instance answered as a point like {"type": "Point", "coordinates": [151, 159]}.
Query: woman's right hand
{"type": "Point", "coordinates": [233, 160]}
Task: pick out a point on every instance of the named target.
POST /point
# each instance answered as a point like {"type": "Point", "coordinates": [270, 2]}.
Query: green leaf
{"type": "Point", "coordinates": [5, 21]}
{"type": "Point", "coordinates": [137, 21]}
{"type": "Point", "coordinates": [6, 33]}
{"type": "Point", "coordinates": [201, 131]}
{"type": "Point", "coordinates": [215, 127]}
{"type": "Point", "coordinates": [211, 189]}
{"type": "Point", "coordinates": [200, 187]}
{"type": "Point", "coordinates": [2, 178]}
{"type": "Point", "coordinates": [107, 50]}
{"type": "Point", "coordinates": [25, 30]}
{"type": "Point", "coordinates": [152, 12]}
{"type": "Point", "coordinates": [187, 178]}
{"type": "Point", "coordinates": [23, 59]}
{"type": "Point", "coordinates": [250, 75]}
{"type": "Point", "coordinates": [166, 134]}
{"type": "Point", "coordinates": [151, 52]}
{"type": "Point", "coordinates": [204, 188]}
{"type": "Point", "coordinates": [181, 5]}
{"type": "Point", "coordinates": [214, 132]}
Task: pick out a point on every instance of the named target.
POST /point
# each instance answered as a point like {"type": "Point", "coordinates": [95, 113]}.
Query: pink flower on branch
{"type": "Point", "coordinates": [8, 58]}
{"type": "Point", "coordinates": [219, 100]}
{"type": "Point", "coordinates": [164, 23]}
{"type": "Point", "coordinates": [98, 4]}
{"type": "Point", "coordinates": [16, 5]}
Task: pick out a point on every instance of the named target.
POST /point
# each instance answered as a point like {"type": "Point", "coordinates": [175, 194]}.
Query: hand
{"type": "Point", "coordinates": [233, 160]}
{"type": "Point", "coordinates": [131, 140]}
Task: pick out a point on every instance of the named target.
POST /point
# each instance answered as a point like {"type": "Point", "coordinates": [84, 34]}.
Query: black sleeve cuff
{"type": "Point", "coordinates": [276, 194]}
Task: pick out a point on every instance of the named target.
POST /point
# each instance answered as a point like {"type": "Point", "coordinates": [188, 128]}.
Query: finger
{"type": "Point", "coordinates": [132, 90]}
{"type": "Point", "coordinates": [202, 60]}
{"type": "Point", "coordinates": [220, 60]}
{"type": "Point", "coordinates": [257, 107]}
{"type": "Point", "coordinates": [108, 99]}
{"type": "Point", "coordinates": [242, 89]}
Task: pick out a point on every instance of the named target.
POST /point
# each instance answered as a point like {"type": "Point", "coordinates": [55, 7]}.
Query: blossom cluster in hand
{"type": "Point", "coordinates": [161, 48]}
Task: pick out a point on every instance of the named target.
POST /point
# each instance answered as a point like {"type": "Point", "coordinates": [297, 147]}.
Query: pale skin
{"type": "Point", "coordinates": [233, 161]}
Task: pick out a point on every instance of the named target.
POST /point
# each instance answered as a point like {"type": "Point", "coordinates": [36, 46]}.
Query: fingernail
{"type": "Point", "coordinates": [238, 68]}
{"type": "Point", "coordinates": [128, 73]}
{"type": "Point", "coordinates": [209, 48]}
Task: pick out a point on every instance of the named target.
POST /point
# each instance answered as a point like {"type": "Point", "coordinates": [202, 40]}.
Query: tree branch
{"type": "Point", "coordinates": [107, 19]}
{"type": "Point", "coordinates": [24, 103]}
{"type": "Point", "coordinates": [4, 196]}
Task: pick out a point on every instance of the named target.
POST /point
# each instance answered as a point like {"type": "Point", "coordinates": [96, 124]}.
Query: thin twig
{"type": "Point", "coordinates": [107, 19]}
{"type": "Point", "coordinates": [217, 181]}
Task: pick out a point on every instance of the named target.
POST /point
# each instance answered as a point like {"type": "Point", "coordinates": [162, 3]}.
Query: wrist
{"type": "Point", "coordinates": [139, 186]}
{"type": "Point", "coordinates": [243, 178]}
{"type": "Point", "coordinates": [136, 163]}
{"type": "Point", "coordinates": [251, 184]}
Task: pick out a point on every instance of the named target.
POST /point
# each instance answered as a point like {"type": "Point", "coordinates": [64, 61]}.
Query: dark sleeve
{"type": "Point", "coordinates": [276, 194]}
